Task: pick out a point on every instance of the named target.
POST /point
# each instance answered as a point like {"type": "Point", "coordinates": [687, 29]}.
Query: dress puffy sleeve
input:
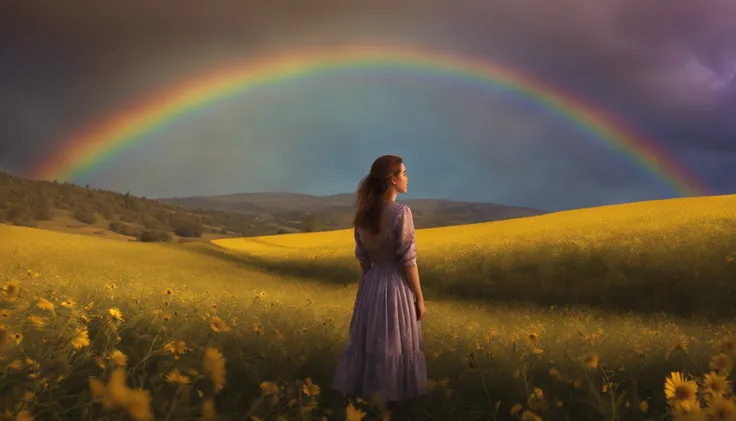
{"type": "Point", "coordinates": [360, 252]}
{"type": "Point", "coordinates": [406, 248]}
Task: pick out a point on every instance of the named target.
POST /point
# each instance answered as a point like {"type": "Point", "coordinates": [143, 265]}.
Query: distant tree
{"type": "Point", "coordinates": [82, 214]}
{"type": "Point", "coordinates": [154, 236]}
{"type": "Point", "coordinates": [43, 210]}
{"type": "Point", "coordinates": [124, 229]}
{"type": "Point", "coordinates": [187, 228]}
{"type": "Point", "coordinates": [4, 198]}
{"type": "Point", "coordinates": [310, 223]}
{"type": "Point", "coordinates": [16, 213]}
{"type": "Point", "coordinates": [106, 210]}
{"type": "Point", "coordinates": [130, 217]}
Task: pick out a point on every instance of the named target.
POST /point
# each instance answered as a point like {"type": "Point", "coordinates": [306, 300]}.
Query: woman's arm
{"type": "Point", "coordinates": [407, 252]}
{"type": "Point", "coordinates": [412, 276]}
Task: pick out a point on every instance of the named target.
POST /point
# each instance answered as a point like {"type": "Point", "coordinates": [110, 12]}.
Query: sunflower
{"type": "Point", "coordinates": [214, 365]}
{"type": "Point", "coordinates": [591, 361]}
{"type": "Point", "coordinates": [722, 410]}
{"type": "Point", "coordinates": [120, 359]}
{"type": "Point", "coordinates": [722, 363]}
{"type": "Point", "coordinates": [11, 289]}
{"type": "Point", "coordinates": [309, 388]}
{"type": "Point", "coordinates": [37, 321]}
{"type": "Point", "coordinates": [176, 348]}
{"type": "Point", "coordinates": [176, 377]}
{"type": "Point", "coordinates": [715, 385]}
{"type": "Point", "coordinates": [727, 345]}
{"type": "Point", "coordinates": [269, 388]}
{"type": "Point", "coordinates": [45, 304]}
{"type": "Point", "coordinates": [678, 390]}
{"type": "Point", "coordinates": [115, 314]}
{"type": "Point", "coordinates": [81, 339]}
{"type": "Point", "coordinates": [219, 325]}
{"type": "Point", "coordinates": [353, 414]}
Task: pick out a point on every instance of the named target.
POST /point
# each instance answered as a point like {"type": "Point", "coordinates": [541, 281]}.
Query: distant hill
{"type": "Point", "coordinates": [77, 209]}
{"type": "Point", "coordinates": [70, 208]}
{"type": "Point", "coordinates": [336, 211]}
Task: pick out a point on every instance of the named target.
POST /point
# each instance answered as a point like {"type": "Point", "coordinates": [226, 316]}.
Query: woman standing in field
{"type": "Point", "coordinates": [384, 356]}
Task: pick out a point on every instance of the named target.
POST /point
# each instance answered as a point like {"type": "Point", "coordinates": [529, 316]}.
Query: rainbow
{"type": "Point", "coordinates": [106, 138]}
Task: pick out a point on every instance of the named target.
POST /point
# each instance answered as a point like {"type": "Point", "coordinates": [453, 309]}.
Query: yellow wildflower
{"type": "Point", "coordinates": [722, 409]}
{"type": "Point", "coordinates": [45, 304]}
{"type": "Point", "coordinates": [81, 339]}
{"type": "Point", "coordinates": [591, 361]}
{"type": "Point", "coordinates": [310, 389]}
{"type": "Point", "coordinates": [23, 416]}
{"type": "Point", "coordinates": [678, 390]}
{"type": "Point", "coordinates": [219, 325]}
{"type": "Point", "coordinates": [515, 409]}
{"type": "Point", "coordinates": [208, 410]}
{"type": "Point", "coordinates": [176, 348]}
{"type": "Point", "coordinates": [727, 345]}
{"type": "Point", "coordinates": [139, 405]}
{"type": "Point", "coordinates": [176, 377]}
{"type": "Point", "coordinates": [115, 314]}
{"type": "Point", "coordinates": [214, 365]}
{"type": "Point", "coordinates": [721, 363]}
{"type": "Point", "coordinates": [353, 414]}
{"type": "Point", "coordinates": [11, 290]}
{"type": "Point", "coordinates": [528, 415]}
{"type": "Point", "coordinates": [120, 359]}
{"type": "Point", "coordinates": [37, 321]}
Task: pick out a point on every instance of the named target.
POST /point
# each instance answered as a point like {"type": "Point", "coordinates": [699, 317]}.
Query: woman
{"type": "Point", "coordinates": [385, 351]}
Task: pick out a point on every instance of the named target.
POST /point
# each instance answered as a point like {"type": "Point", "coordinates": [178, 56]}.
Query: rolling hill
{"type": "Point", "coordinates": [663, 255]}
{"type": "Point", "coordinates": [335, 211]}
{"type": "Point", "coordinates": [83, 210]}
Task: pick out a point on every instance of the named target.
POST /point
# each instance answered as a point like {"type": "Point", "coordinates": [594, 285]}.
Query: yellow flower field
{"type": "Point", "coordinates": [250, 329]}
{"type": "Point", "coordinates": [669, 255]}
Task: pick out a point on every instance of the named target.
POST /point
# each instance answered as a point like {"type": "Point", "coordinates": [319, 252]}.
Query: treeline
{"type": "Point", "coordinates": [25, 202]}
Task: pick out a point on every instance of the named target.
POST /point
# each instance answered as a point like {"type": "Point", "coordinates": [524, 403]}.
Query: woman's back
{"type": "Point", "coordinates": [380, 248]}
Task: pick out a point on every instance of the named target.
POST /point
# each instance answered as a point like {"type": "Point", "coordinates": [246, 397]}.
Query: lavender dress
{"type": "Point", "coordinates": [385, 351]}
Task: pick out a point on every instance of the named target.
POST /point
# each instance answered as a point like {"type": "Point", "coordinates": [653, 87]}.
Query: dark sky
{"type": "Point", "coordinates": [665, 67]}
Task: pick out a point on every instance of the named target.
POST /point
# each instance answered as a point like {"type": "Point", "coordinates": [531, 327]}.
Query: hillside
{"type": "Point", "coordinates": [75, 209]}
{"type": "Point", "coordinates": [70, 208]}
{"type": "Point", "coordinates": [336, 211]}
{"type": "Point", "coordinates": [665, 255]}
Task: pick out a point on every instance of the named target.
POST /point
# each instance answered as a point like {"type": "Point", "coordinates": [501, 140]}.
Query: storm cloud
{"type": "Point", "coordinates": [666, 66]}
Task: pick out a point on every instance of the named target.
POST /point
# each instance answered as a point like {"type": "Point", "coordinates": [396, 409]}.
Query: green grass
{"type": "Point", "coordinates": [292, 323]}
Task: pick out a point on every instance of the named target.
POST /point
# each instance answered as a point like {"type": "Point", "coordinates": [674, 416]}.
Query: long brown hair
{"type": "Point", "coordinates": [373, 190]}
